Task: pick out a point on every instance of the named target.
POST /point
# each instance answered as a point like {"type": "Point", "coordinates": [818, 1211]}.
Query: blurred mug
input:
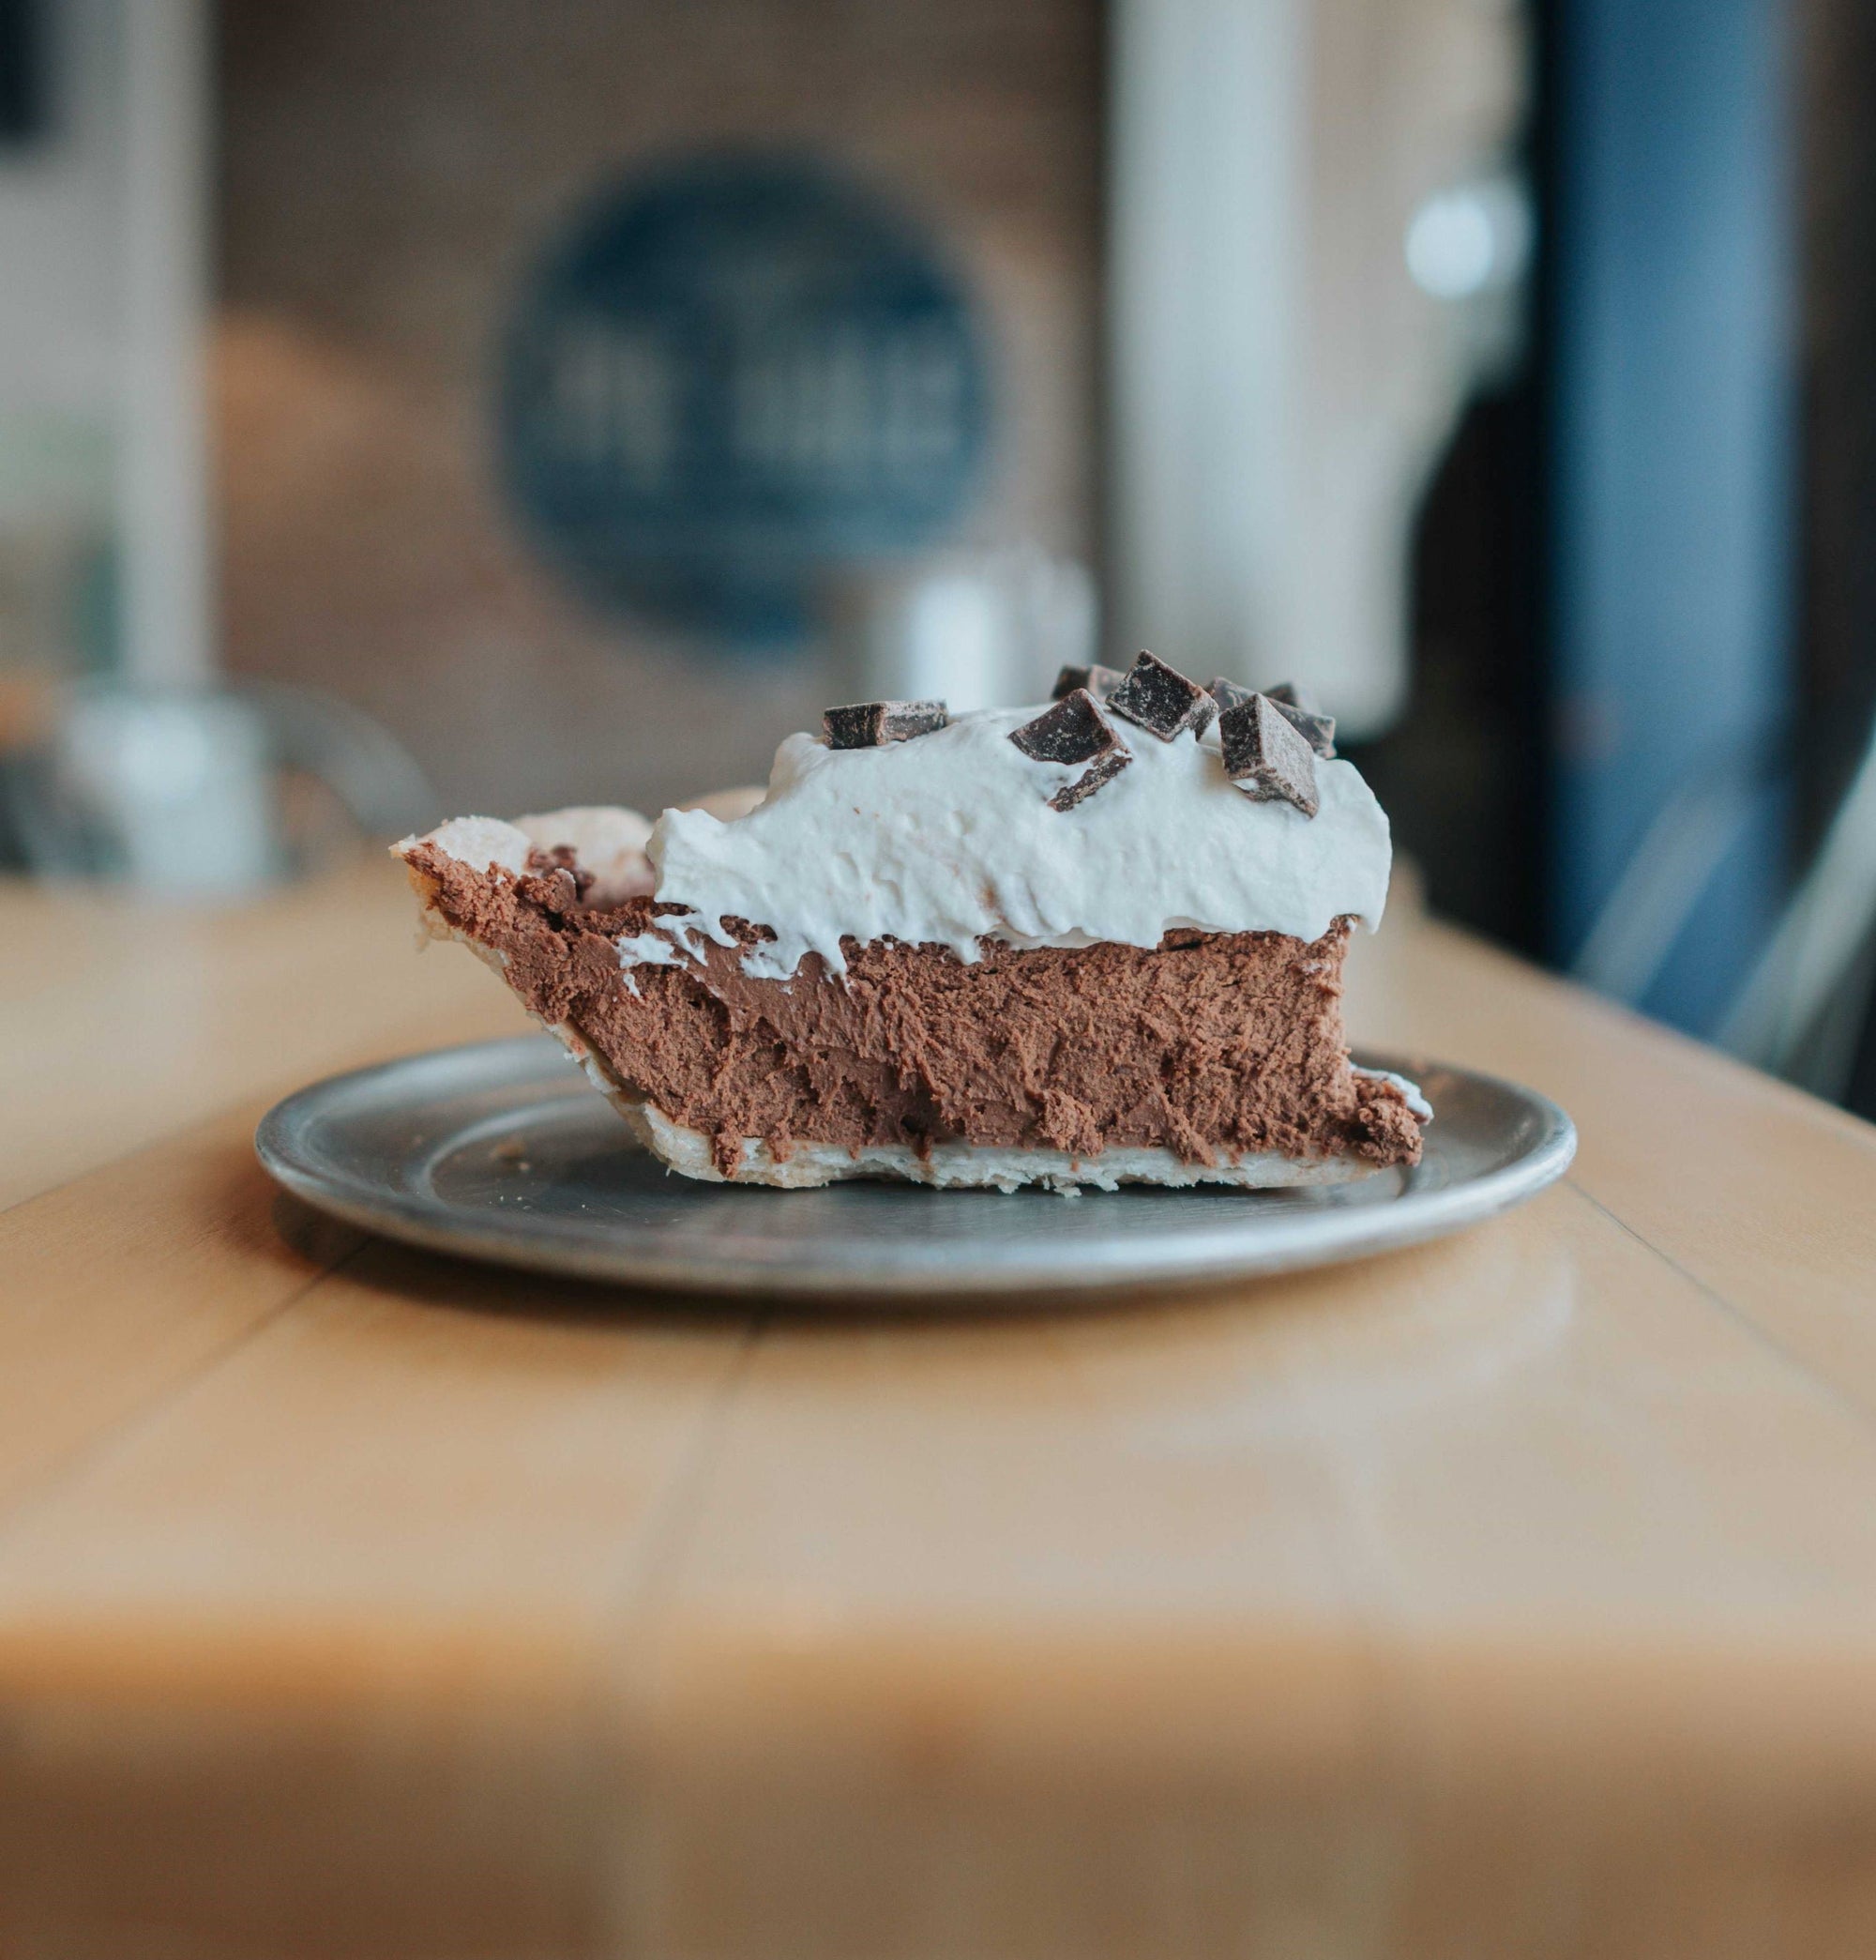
{"type": "Point", "coordinates": [989, 630]}
{"type": "Point", "coordinates": [178, 791]}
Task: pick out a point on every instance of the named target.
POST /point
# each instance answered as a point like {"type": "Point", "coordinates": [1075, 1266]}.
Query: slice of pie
{"type": "Point", "coordinates": [1095, 943]}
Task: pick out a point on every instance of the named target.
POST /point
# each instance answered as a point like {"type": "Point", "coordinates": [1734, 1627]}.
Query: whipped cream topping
{"type": "Point", "coordinates": [608, 842]}
{"type": "Point", "coordinates": [949, 839]}
{"type": "Point", "coordinates": [482, 842]}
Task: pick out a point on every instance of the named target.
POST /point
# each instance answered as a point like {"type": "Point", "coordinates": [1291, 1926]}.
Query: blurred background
{"type": "Point", "coordinates": [472, 405]}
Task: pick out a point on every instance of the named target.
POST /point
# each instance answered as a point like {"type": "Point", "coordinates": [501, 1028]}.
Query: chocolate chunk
{"type": "Point", "coordinates": [1319, 731]}
{"type": "Point", "coordinates": [556, 891]}
{"type": "Point", "coordinates": [1160, 699]}
{"type": "Point", "coordinates": [1099, 682]}
{"type": "Point", "coordinates": [1229, 694]}
{"type": "Point", "coordinates": [1266, 756]}
{"type": "Point", "coordinates": [1304, 713]}
{"type": "Point", "coordinates": [1074, 730]}
{"type": "Point", "coordinates": [870, 724]}
{"type": "Point", "coordinates": [559, 872]}
{"type": "Point", "coordinates": [1104, 769]}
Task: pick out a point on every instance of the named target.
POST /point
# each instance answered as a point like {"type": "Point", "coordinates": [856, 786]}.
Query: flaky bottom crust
{"type": "Point", "coordinates": [964, 1166]}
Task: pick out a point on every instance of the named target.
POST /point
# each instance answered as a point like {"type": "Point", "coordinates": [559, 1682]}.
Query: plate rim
{"type": "Point", "coordinates": [1227, 1250]}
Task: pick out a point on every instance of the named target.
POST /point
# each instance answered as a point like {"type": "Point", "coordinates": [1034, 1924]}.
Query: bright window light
{"type": "Point", "coordinates": [1464, 241]}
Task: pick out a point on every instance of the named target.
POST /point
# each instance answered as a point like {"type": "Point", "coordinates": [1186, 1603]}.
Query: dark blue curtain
{"type": "Point", "coordinates": [1671, 277]}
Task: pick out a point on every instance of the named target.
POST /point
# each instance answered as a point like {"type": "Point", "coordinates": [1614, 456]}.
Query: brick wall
{"type": "Point", "coordinates": [387, 173]}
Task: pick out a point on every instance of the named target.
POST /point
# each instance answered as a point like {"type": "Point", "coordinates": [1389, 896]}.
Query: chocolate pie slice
{"type": "Point", "coordinates": [1095, 943]}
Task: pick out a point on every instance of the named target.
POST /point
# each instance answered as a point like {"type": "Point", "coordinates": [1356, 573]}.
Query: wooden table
{"type": "Point", "coordinates": [1513, 1596]}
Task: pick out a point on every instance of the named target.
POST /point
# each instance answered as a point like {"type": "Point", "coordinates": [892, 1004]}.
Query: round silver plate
{"type": "Point", "coordinates": [503, 1152]}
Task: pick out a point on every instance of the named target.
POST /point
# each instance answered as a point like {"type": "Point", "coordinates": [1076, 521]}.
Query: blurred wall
{"type": "Point", "coordinates": [102, 454]}
{"type": "Point", "coordinates": [387, 176]}
{"type": "Point", "coordinates": [62, 207]}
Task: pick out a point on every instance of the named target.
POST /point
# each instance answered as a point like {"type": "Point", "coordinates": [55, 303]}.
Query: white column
{"type": "Point", "coordinates": [1281, 385]}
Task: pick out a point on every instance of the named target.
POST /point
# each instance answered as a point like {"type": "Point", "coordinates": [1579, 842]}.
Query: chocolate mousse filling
{"type": "Point", "coordinates": [1213, 1045]}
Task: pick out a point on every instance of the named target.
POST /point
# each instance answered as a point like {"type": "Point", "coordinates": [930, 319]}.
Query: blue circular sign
{"type": "Point", "coordinates": [728, 377]}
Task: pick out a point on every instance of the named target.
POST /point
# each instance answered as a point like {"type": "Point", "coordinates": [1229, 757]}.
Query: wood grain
{"type": "Point", "coordinates": [1510, 1596]}
{"type": "Point", "coordinates": [122, 1021]}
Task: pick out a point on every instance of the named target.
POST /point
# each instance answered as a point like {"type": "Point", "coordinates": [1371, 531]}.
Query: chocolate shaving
{"type": "Point", "coordinates": [1304, 713]}
{"type": "Point", "coordinates": [872, 725]}
{"type": "Point", "coordinates": [1160, 699]}
{"type": "Point", "coordinates": [1267, 757]}
{"type": "Point", "coordinates": [1104, 770]}
{"type": "Point", "coordinates": [1229, 694]}
{"type": "Point", "coordinates": [1074, 730]}
{"type": "Point", "coordinates": [1099, 682]}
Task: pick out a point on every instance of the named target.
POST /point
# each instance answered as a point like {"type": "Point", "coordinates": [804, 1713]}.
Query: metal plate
{"type": "Point", "coordinates": [503, 1152]}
